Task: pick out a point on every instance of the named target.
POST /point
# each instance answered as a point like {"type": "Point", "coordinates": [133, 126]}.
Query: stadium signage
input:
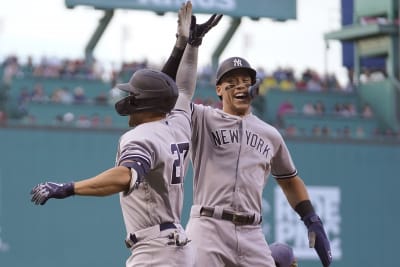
{"type": "Point", "coordinates": [201, 4]}
{"type": "Point", "coordinates": [280, 10]}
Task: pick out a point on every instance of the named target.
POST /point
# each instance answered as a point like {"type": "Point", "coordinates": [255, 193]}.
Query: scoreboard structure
{"type": "Point", "coordinates": [281, 10]}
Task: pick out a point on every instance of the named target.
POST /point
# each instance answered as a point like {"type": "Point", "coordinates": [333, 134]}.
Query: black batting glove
{"type": "Point", "coordinates": [198, 31]}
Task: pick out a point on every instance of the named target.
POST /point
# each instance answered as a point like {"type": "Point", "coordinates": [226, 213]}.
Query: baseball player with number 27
{"type": "Point", "coordinates": [152, 158]}
{"type": "Point", "coordinates": [233, 153]}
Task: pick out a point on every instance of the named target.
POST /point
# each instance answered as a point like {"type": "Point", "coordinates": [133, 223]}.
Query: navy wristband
{"type": "Point", "coordinates": [304, 207]}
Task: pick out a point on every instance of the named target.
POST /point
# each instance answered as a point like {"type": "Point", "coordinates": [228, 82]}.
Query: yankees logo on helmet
{"type": "Point", "coordinates": [234, 63]}
{"type": "Point", "coordinates": [237, 62]}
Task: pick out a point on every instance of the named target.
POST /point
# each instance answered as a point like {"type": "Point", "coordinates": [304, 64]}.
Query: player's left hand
{"type": "Point", "coordinates": [42, 192]}
{"type": "Point", "coordinates": [198, 31]}
{"type": "Point", "coordinates": [317, 238]}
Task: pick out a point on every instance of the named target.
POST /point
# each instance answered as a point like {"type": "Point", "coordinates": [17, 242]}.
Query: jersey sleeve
{"type": "Point", "coordinates": [136, 153]}
{"type": "Point", "coordinates": [135, 147]}
{"type": "Point", "coordinates": [282, 165]}
{"type": "Point", "coordinates": [197, 115]}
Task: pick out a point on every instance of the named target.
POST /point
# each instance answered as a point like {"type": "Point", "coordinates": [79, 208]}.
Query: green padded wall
{"type": "Point", "coordinates": [353, 187]}
{"type": "Point", "coordinates": [384, 99]}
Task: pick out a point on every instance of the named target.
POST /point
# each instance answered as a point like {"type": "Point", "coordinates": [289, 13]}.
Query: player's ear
{"type": "Point", "coordinates": [219, 89]}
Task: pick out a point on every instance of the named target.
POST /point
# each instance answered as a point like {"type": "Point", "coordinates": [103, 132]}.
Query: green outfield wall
{"type": "Point", "coordinates": [353, 185]}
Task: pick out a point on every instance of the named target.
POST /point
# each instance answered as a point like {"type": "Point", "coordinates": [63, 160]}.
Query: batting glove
{"type": "Point", "coordinates": [42, 192]}
{"type": "Point", "coordinates": [317, 238]}
{"type": "Point", "coordinates": [198, 31]}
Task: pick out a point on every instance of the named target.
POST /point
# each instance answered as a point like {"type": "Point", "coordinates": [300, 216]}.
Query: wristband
{"type": "Point", "coordinates": [304, 207]}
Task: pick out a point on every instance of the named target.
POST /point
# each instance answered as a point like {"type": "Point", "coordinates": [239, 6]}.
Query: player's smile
{"type": "Point", "coordinates": [241, 96]}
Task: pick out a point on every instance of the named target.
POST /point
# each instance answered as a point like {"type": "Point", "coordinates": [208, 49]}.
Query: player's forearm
{"type": "Point", "coordinates": [171, 66]}
{"type": "Point", "coordinates": [109, 182]}
{"type": "Point", "coordinates": [187, 71]}
{"type": "Point", "coordinates": [294, 190]}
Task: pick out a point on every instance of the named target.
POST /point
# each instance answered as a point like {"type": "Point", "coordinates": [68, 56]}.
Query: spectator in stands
{"type": "Point", "coordinates": [280, 75]}
{"type": "Point", "coordinates": [371, 75]}
{"type": "Point", "coordinates": [59, 120]}
{"type": "Point", "coordinates": [83, 121]}
{"type": "Point", "coordinates": [56, 95]}
{"type": "Point", "coordinates": [346, 132]}
{"type": "Point", "coordinates": [268, 82]}
{"type": "Point", "coordinates": [68, 118]}
{"type": "Point", "coordinates": [316, 130]}
{"type": "Point", "coordinates": [367, 112]}
{"type": "Point", "coordinates": [101, 99]}
{"type": "Point", "coordinates": [331, 82]}
{"type": "Point", "coordinates": [314, 84]}
{"type": "Point", "coordinates": [309, 109]}
{"type": "Point", "coordinates": [28, 67]}
{"type": "Point", "coordinates": [11, 69]}
{"type": "Point", "coordinates": [48, 68]}
{"type": "Point", "coordinates": [337, 109]}
{"type": "Point", "coordinates": [95, 120]}
{"type": "Point", "coordinates": [287, 85]}
{"type": "Point", "coordinates": [261, 73]}
{"type": "Point", "coordinates": [38, 94]}
{"type": "Point", "coordinates": [107, 121]}
{"type": "Point", "coordinates": [319, 108]}
{"type": "Point", "coordinates": [325, 131]}
{"type": "Point", "coordinates": [3, 117]}
{"type": "Point", "coordinates": [24, 96]}
{"type": "Point", "coordinates": [62, 96]}
{"type": "Point", "coordinates": [291, 130]}
{"type": "Point", "coordinates": [360, 133]}
{"type": "Point", "coordinates": [284, 108]}
{"type": "Point", "coordinates": [79, 96]}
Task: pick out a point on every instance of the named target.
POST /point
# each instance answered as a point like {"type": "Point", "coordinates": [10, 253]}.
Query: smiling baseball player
{"type": "Point", "coordinates": [233, 153]}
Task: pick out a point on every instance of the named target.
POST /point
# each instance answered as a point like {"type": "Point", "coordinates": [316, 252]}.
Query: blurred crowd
{"type": "Point", "coordinates": [78, 69]}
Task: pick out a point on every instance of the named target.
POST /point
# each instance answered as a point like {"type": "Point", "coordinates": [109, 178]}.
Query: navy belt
{"type": "Point", "coordinates": [133, 239]}
{"type": "Point", "coordinates": [238, 219]}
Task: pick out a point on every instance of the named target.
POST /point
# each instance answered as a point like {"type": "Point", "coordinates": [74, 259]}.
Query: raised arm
{"type": "Point", "coordinates": [182, 35]}
{"type": "Point", "coordinates": [187, 71]}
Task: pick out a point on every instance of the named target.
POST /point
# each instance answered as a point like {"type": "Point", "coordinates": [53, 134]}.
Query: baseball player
{"type": "Point", "coordinates": [151, 162]}
{"type": "Point", "coordinates": [283, 255]}
{"type": "Point", "coordinates": [233, 153]}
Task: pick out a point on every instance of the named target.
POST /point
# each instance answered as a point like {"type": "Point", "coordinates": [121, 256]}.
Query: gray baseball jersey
{"type": "Point", "coordinates": [232, 158]}
{"type": "Point", "coordinates": [162, 145]}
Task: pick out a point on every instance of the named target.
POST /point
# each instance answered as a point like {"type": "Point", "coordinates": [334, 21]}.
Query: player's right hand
{"type": "Point", "coordinates": [184, 20]}
{"type": "Point", "coordinates": [43, 191]}
{"type": "Point", "coordinates": [317, 238]}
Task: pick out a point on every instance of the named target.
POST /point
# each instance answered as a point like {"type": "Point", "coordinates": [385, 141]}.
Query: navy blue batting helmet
{"type": "Point", "coordinates": [234, 63]}
{"type": "Point", "coordinates": [149, 90]}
